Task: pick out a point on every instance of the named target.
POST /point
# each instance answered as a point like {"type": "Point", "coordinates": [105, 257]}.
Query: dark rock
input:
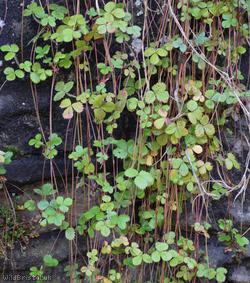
{"type": "Point", "coordinates": [19, 123]}
{"type": "Point", "coordinates": [241, 213]}
{"type": "Point", "coordinates": [21, 258]}
{"type": "Point", "coordinates": [31, 169]}
{"type": "Point", "coordinates": [217, 255]}
{"type": "Point", "coordinates": [240, 274]}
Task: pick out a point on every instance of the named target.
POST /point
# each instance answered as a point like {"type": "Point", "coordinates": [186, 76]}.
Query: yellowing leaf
{"type": "Point", "coordinates": [209, 129]}
{"type": "Point", "coordinates": [149, 160]}
{"type": "Point", "coordinates": [78, 107]}
{"type": "Point", "coordinates": [68, 113]}
{"type": "Point", "coordinates": [199, 131]}
{"type": "Point", "coordinates": [65, 103]}
{"type": "Point", "coordinates": [99, 114]}
{"type": "Point", "coordinates": [197, 149]}
{"type": "Point", "coordinates": [162, 139]}
{"type": "Point", "coordinates": [159, 123]}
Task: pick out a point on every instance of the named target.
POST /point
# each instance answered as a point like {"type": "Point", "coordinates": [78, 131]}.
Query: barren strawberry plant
{"type": "Point", "coordinates": [171, 70]}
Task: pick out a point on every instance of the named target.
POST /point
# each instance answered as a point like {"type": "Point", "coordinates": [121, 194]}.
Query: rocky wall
{"type": "Point", "coordinates": [18, 123]}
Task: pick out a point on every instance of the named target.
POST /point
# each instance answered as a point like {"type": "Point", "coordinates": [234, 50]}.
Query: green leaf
{"type": "Point", "coordinates": [35, 78]}
{"type": "Point", "coordinates": [149, 52]}
{"type": "Point", "coordinates": [67, 35]}
{"type": "Point", "coordinates": [175, 261]}
{"type": "Point", "coordinates": [109, 107]}
{"type": "Point", "coordinates": [102, 29]}
{"type": "Point", "coordinates": [220, 276]}
{"type": "Point", "coordinates": [50, 261]}
{"type": "Point", "coordinates": [59, 200]}
{"type": "Point", "coordinates": [118, 13]}
{"type": "Point", "coordinates": [241, 241]}
{"type": "Point", "coordinates": [149, 97]}
{"type": "Point", "coordinates": [209, 129]}
{"type": "Point", "coordinates": [192, 105]}
{"type": "Point", "coordinates": [68, 201]}
{"type": "Point", "coordinates": [55, 139]}
{"type": "Point", "coordinates": [131, 173]}
{"type": "Point", "coordinates": [161, 246]}
{"type": "Point", "coordinates": [201, 38]}
{"type": "Point", "coordinates": [148, 177]}
{"type": "Point", "coordinates": [147, 258]}
{"type": "Point", "coordinates": [156, 256]}
{"type": "Point", "coordinates": [134, 30]}
{"type": "Point", "coordinates": [62, 89]}
{"type": "Point", "coordinates": [137, 260]}
{"type": "Point", "coordinates": [10, 74]}
{"type": "Point", "coordinates": [170, 237]}
{"type": "Point", "coordinates": [92, 212]}
{"type": "Point", "coordinates": [209, 104]}
{"type": "Point", "coordinates": [183, 170]}
{"type": "Point", "coordinates": [154, 59]}
{"type": "Point", "coordinates": [210, 273]}
{"type": "Point", "coordinates": [9, 56]}
{"type": "Point", "coordinates": [59, 95]}
{"type": "Point", "coordinates": [70, 234]}
{"type": "Point", "coordinates": [162, 52]}
{"type": "Point", "coordinates": [105, 231]}
{"type": "Point", "coordinates": [132, 103]}
{"type": "Point", "coordinates": [5, 48]}
{"type": "Point", "coordinates": [160, 91]}
{"type": "Point", "coordinates": [163, 96]}
{"type": "Point", "coordinates": [229, 164]}
{"type": "Point", "coordinates": [201, 64]}
{"type": "Point", "coordinates": [122, 221]}
{"type": "Point", "coordinates": [2, 171]}
{"type": "Point", "coordinates": [43, 204]}
{"type": "Point", "coordinates": [109, 7]}
{"type": "Point", "coordinates": [68, 86]}
{"type": "Point", "coordinates": [177, 162]}
{"type": "Point", "coordinates": [19, 74]}
{"type": "Point", "coordinates": [196, 12]}
{"type": "Point", "coordinates": [140, 182]}
{"type": "Point", "coordinates": [166, 256]}
{"type": "Point", "coordinates": [45, 190]}
{"type": "Point", "coordinates": [171, 129]}
{"type": "Point", "coordinates": [30, 205]}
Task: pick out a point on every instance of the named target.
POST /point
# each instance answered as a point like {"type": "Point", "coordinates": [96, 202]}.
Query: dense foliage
{"type": "Point", "coordinates": [175, 78]}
